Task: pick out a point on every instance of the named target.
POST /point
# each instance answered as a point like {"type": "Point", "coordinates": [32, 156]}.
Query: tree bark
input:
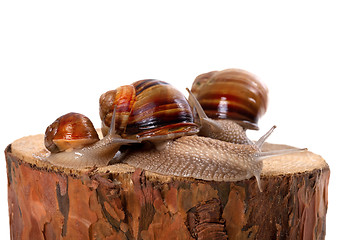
{"type": "Point", "coordinates": [121, 202]}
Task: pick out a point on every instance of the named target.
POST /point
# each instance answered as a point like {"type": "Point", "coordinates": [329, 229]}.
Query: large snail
{"type": "Point", "coordinates": [206, 158]}
{"type": "Point", "coordinates": [74, 142]}
{"type": "Point", "coordinates": [181, 155]}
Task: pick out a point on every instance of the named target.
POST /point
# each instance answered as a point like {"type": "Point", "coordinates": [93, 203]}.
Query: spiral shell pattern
{"type": "Point", "coordinates": [70, 131]}
{"type": "Point", "coordinates": [148, 108]}
{"type": "Point", "coordinates": [232, 94]}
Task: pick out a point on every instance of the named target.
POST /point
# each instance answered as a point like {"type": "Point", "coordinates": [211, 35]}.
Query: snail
{"type": "Point", "coordinates": [181, 153]}
{"type": "Point", "coordinates": [148, 110]}
{"type": "Point", "coordinates": [228, 103]}
{"type": "Point", "coordinates": [74, 142]}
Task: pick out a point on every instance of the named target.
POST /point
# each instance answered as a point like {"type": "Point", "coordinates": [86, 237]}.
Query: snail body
{"type": "Point", "coordinates": [206, 158]}
{"type": "Point", "coordinates": [200, 157]}
{"type": "Point", "coordinates": [74, 143]}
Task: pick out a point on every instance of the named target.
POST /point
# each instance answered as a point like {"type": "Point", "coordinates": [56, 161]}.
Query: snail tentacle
{"type": "Point", "coordinates": [262, 140]}
{"type": "Point", "coordinates": [204, 120]}
{"type": "Point", "coordinates": [260, 156]}
{"type": "Point", "coordinates": [263, 155]}
{"type": "Point", "coordinates": [195, 103]}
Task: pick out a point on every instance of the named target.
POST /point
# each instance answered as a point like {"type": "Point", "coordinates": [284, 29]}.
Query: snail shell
{"type": "Point", "coordinates": [74, 142]}
{"type": "Point", "coordinates": [70, 131]}
{"type": "Point", "coordinates": [148, 110]}
{"type": "Point", "coordinates": [224, 130]}
{"type": "Point", "coordinates": [232, 94]}
{"type": "Point", "coordinates": [200, 80]}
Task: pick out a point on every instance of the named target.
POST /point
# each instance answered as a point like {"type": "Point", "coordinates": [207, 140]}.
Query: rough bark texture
{"type": "Point", "coordinates": [45, 203]}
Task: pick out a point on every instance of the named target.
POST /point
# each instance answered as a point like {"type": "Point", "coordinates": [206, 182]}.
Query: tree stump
{"type": "Point", "coordinates": [121, 202]}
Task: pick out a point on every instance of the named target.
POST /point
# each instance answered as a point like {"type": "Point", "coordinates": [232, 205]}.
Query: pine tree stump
{"type": "Point", "coordinates": [121, 202]}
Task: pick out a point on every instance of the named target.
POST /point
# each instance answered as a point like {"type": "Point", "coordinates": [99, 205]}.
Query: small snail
{"type": "Point", "coordinates": [228, 102]}
{"type": "Point", "coordinates": [149, 110]}
{"type": "Point", "coordinates": [74, 142]}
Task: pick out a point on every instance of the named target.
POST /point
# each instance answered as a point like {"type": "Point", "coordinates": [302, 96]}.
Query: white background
{"type": "Point", "coordinates": [60, 56]}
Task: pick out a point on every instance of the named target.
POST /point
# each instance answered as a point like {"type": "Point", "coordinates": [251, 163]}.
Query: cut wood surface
{"type": "Point", "coordinates": [122, 202]}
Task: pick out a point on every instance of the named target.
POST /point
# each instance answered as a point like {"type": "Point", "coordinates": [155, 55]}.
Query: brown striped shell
{"type": "Point", "coordinates": [70, 131]}
{"type": "Point", "coordinates": [233, 94]}
{"type": "Point", "coordinates": [149, 108]}
{"type": "Point", "coordinates": [123, 99]}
